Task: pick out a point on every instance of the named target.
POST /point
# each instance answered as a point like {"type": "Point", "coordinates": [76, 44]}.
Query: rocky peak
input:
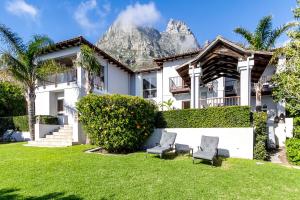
{"type": "Point", "coordinates": [176, 26]}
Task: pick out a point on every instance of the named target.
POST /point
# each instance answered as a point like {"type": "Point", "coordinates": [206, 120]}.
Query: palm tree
{"type": "Point", "coordinates": [21, 61]}
{"type": "Point", "coordinates": [89, 62]}
{"type": "Point", "coordinates": [263, 38]}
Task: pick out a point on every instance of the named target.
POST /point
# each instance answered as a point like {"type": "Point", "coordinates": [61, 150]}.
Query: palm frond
{"type": "Point", "coordinates": [263, 32]}
{"type": "Point", "coordinates": [247, 35]}
{"type": "Point", "coordinates": [16, 68]}
{"type": "Point", "coordinates": [276, 33]}
{"type": "Point", "coordinates": [12, 40]}
{"type": "Point", "coordinates": [38, 43]}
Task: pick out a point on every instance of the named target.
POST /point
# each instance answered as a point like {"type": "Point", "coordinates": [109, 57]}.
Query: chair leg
{"type": "Point", "coordinates": [193, 161]}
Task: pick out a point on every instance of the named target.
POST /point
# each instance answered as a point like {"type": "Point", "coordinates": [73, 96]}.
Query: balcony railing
{"type": "Point", "coordinates": [220, 101]}
{"type": "Point", "coordinates": [65, 77]}
{"type": "Point", "coordinates": [178, 85]}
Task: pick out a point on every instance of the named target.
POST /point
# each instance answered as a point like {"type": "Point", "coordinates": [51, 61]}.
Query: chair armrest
{"type": "Point", "coordinates": [157, 144]}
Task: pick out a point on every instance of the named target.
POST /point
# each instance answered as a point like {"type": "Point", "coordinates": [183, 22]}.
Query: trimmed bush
{"type": "Point", "coordinates": [213, 117]}
{"type": "Point", "coordinates": [118, 123]}
{"type": "Point", "coordinates": [293, 150]}
{"type": "Point", "coordinates": [19, 123]}
{"type": "Point", "coordinates": [47, 119]}
{"type": "Point", "coordinates": [12, 100]}
{"type": "Point", "coordinates": [296, 131]}
{"type": "Point", "coordinates": [260, 134]}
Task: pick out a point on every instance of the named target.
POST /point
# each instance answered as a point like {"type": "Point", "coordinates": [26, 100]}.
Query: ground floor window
{"type": "Point", "coordinates": [186, 104]}
{"type": "Point", "coordinates": [149, 87]}
{"type": "Point", "coordinates": [60, 106]}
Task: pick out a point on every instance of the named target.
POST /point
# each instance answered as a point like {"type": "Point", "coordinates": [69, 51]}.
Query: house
{"type": "Point", "coordinates": [220, 74]}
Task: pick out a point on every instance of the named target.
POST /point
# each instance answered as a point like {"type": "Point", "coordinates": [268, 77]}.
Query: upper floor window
{"type": "Point", "coordinates": [149, 87]}
{"type": "Point", "coordinates": [99, 79]}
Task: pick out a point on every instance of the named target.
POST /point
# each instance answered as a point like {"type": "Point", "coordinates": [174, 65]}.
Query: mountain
{"type": "Point", "coordinates": [137, 46]}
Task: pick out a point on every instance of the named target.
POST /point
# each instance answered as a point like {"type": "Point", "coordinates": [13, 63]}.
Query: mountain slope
{"type": "Point", "coordinates": [138, 46]}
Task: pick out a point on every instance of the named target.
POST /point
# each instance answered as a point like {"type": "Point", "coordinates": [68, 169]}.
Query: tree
{"type": "Point", "coordinates": [263, 38]}
{"type": "Point", "coordinates": [287, 81]}
{"type": "Point", "coordinates": [89, 62]}
{"type": "Point", "coordinates": [21, 61]}
{"type": "Point", "coordinates": [12, 100]}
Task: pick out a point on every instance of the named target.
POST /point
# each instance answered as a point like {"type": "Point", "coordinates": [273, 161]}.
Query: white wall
{"type": "Point", "coordinates": [118, 80]}
{"type": "Point", "coordinates": [233, 142]}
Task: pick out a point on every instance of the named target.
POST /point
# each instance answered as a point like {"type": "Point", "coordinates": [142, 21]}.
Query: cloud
{"type": "Point", "coordinates": [91, 7]}
{"type": "Point", "coordinates": [138, 15]}
{"type": "Point", "coordinates": [21, 8]}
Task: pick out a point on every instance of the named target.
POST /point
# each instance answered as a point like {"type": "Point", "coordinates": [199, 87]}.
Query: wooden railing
{"type": "Point", "coordinates": [220, 101]}
{"type": "Point", "coordinates": [178, 85]}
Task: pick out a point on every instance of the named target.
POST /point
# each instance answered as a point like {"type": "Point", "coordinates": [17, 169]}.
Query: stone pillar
{"type": "Point", "coordinates": [244, 67]}
{"type": "Point", "coordinates": [195, 74]}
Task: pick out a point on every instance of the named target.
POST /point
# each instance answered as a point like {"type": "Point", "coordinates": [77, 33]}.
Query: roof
{"type": "Point", "coordinates": [234, 45]}
{"type": "Point", "coordinates": [221, 57]}
{"type": "Point", "coordinates": [160, 61]}
{"type": "Point", "coordinates": [77, 41]}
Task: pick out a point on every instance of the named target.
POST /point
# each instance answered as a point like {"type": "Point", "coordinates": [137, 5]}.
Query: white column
{"type": "Point", "coordinates": [138, 85]}
{"type": "Point", "coordinates": [195, 74]}
{"type": "Point", "coordinates": [197, 90]}
{"type": "Point", "coordinates": [244, 67]}
{"type": "Point", "coordinates": [192, 75]}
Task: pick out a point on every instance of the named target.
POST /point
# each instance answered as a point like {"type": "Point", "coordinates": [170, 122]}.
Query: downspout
{"type": "Point", "coordinates": [106, 76]}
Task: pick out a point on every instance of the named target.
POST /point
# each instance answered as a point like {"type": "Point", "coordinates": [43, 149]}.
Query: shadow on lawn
{"type": "Point", "coordinates": [12, 194]}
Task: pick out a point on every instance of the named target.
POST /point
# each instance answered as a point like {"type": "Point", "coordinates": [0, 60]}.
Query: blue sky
{"type": "Point", "coordinates": [64, 19]}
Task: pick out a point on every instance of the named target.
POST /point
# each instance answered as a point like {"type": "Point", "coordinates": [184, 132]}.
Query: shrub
{"type": "Point", "coordinates": [19, 123]}
{"type": "Point", "coordinates": [47, 119]}
{"type": "Point", "coordinates": [118, 123]}
{"type": "Point", "coordinates": [260, 134]}
{"type": "Point", "coordinates": [296, 131]}
{"type": "Point", "coordinates": [293, 150]}
{"type": "Point", "coordinates": [12, 100]}
{"type": "Point", "coordinates": [231, 116]}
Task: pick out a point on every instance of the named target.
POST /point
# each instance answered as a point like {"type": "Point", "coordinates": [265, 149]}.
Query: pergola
{"type": "Point", "coordinates": [223, 58]}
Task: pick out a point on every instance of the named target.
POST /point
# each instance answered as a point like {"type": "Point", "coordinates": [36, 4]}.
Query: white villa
{"type": "Point", "coordinates": [220, 74]}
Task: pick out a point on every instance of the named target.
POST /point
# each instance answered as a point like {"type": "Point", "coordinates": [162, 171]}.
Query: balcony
{"type": "Point", "coordinates": [65, 77]}
{"type": "Point", "coordinates": [266, 86]}
{"type": "Point", "coordinates": [220, 101]}
{"type": "Point", "coordinates": [177, 85]}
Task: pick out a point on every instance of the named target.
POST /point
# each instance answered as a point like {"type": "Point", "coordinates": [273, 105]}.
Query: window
{"type": "Point", "coordinates": [60, 106]}
{"type": "Point", "coordinates": [99, 79]}
{"type": "Point", "coordinates": [149, 87]}
{"type": "Point", "coordinates": [186, 104]}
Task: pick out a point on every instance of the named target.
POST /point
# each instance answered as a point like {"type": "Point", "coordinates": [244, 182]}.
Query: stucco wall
{"type": "Point", "coordinates": [233, 142]}
{"type": "Point", "coordinates": [118, 80]}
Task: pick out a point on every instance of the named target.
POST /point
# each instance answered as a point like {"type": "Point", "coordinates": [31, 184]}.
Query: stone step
{"type": "Point", "coordinates": [62, 133]}
{"type": "Point", "coordinates": [59, 136]}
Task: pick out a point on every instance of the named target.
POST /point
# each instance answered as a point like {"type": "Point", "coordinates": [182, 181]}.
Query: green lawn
{"type": "Point", "coordinates": [69, 173]}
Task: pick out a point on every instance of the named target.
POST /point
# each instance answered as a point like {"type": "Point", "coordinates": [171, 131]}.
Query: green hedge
{"type": "Point", "coordinates": [118, 123]}
{"type": "Point", "coordinates": [19, 123]}
{"type": "Point", "coordinates": [293, 150]}
{"type": "Point", "coordinates": [260, 134]}
{"type": "Point", "coordinates": [213, 117]}
{"type": "Point", "coordinates": [47, 119]}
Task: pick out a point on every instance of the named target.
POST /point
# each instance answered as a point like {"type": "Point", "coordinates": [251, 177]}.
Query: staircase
{"type": "Point", "coordinates": [61, 137]}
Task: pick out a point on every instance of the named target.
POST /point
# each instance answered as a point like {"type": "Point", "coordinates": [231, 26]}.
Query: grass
{"type": "Point", "coordinates": [69, 173]}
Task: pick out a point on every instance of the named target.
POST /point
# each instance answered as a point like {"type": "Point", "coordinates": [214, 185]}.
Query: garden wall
{"type": "Point", "coordinates": [233, 142]}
